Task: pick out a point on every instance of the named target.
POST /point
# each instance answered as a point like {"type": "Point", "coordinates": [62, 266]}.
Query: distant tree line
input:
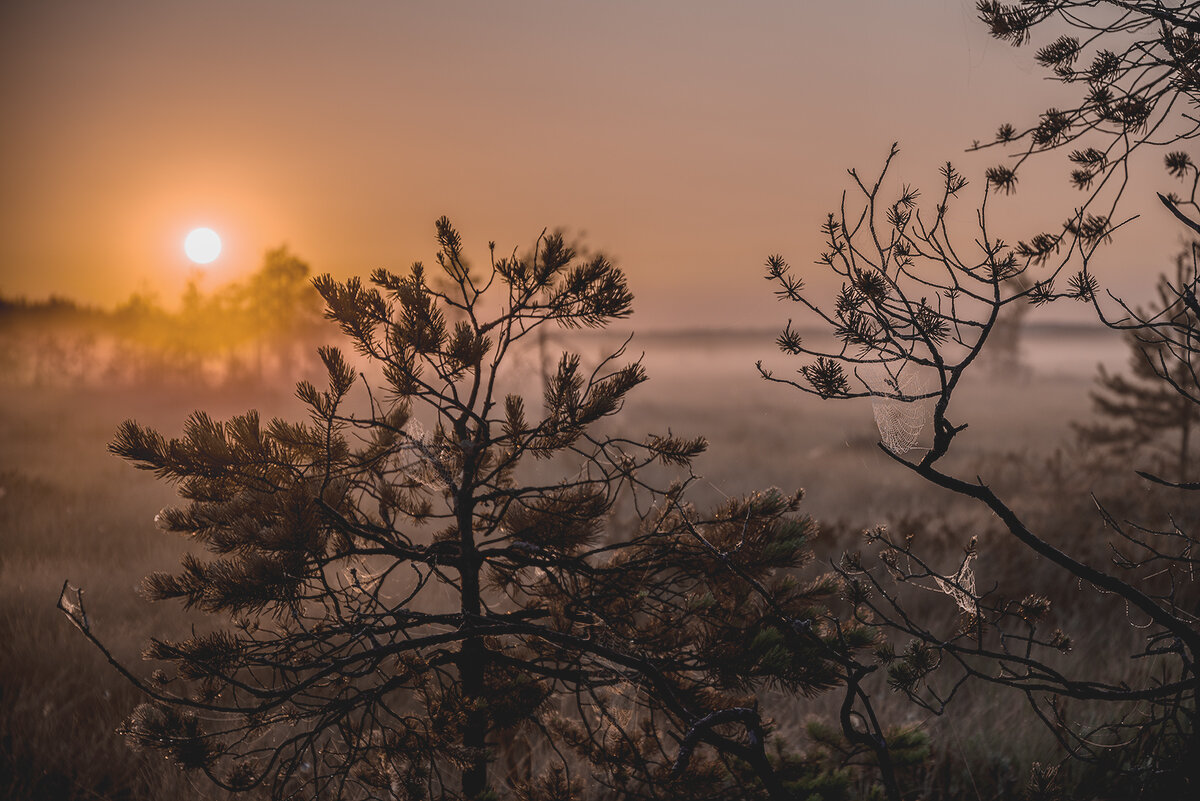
{"type": "Point", "coordinates": [252, 329]}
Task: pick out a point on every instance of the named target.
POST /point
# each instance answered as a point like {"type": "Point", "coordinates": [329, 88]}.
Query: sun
{"type": "Point", "coordinates": [202, 245]}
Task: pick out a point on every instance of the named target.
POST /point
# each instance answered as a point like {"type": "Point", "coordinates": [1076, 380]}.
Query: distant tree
{"type": "Point", "coordinates": [410, 598]}
{"type": "Point", "coordinates": [281, 288]}
{"type": "Point", "coordinates": [280, 304]}
{"type": "Point", "coordinates": [1004, 357]}
{"type": "Point", "coordinates": [1160, 397]}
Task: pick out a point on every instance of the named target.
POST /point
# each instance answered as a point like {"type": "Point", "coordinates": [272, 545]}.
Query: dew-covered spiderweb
{"type": "Point", "coordinates": [961, 586]}
{"type": "Point", "coordinates": [433, 462]}
{"type": "Point", "coordinates": [901, 414]}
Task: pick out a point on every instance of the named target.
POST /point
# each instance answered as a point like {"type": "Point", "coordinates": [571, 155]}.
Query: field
{"type": "Point", "coordinates": [69, 511]}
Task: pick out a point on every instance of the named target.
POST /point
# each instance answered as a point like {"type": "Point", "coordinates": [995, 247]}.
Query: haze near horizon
{"type": "Point", "coordinates": [686, 139]}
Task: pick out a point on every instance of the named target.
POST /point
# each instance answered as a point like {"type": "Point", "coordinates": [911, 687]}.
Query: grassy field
{"type": "Point", "coordinates": [70, 511]}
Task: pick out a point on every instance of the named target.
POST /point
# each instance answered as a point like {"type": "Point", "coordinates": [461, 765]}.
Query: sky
{"type": "Point", "coordinates": [687, 139]}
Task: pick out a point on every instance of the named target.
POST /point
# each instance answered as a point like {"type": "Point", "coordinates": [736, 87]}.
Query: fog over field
{"type": "Point", "coordinates": [624, 401]}
{"type": "Point", "coordinates": [69, 510]}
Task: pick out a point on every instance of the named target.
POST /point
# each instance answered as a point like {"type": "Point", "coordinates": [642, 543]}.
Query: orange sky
{"type": "Point", "coordinates": [688, 139]}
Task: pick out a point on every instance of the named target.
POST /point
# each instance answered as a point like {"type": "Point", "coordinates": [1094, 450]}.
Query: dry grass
{"type": "Point", "coordinates": [68, 510]}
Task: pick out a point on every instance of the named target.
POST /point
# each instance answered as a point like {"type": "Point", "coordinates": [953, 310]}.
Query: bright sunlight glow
{"type": "Point", "coordinates": [202, 245]}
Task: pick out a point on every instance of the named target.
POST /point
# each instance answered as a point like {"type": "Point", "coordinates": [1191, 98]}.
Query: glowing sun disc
{"type": "Point", "coordinates": [202, 245]}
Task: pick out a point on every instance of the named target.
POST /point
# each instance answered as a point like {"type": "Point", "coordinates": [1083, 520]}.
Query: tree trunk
{"type": "Point", "coordinates": [472, 654]}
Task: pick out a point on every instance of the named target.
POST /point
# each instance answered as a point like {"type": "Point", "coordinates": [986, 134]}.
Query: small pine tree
{"type": "Point", "coordinates": [1155, 407]}
{"type": "Point", "coordinates": [406, 599]}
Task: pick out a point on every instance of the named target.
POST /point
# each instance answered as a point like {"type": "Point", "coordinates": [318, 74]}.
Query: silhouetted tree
{"type": "Point", "coordinates": [410, 597]}
{"type": "Point", "coordinates": [1160, 397]}
{"type": "Point", "coordinates": [1137, 66]}
{"type": "Point", "coordinates": [916, 308]}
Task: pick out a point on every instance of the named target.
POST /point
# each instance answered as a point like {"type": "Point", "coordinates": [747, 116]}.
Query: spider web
{"type": "Point", "coordinates": [961, 586]}
{"type": "Point", "coordinates": [900, 420]}
{"type": "Point", "coordinates": [432, 463]}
